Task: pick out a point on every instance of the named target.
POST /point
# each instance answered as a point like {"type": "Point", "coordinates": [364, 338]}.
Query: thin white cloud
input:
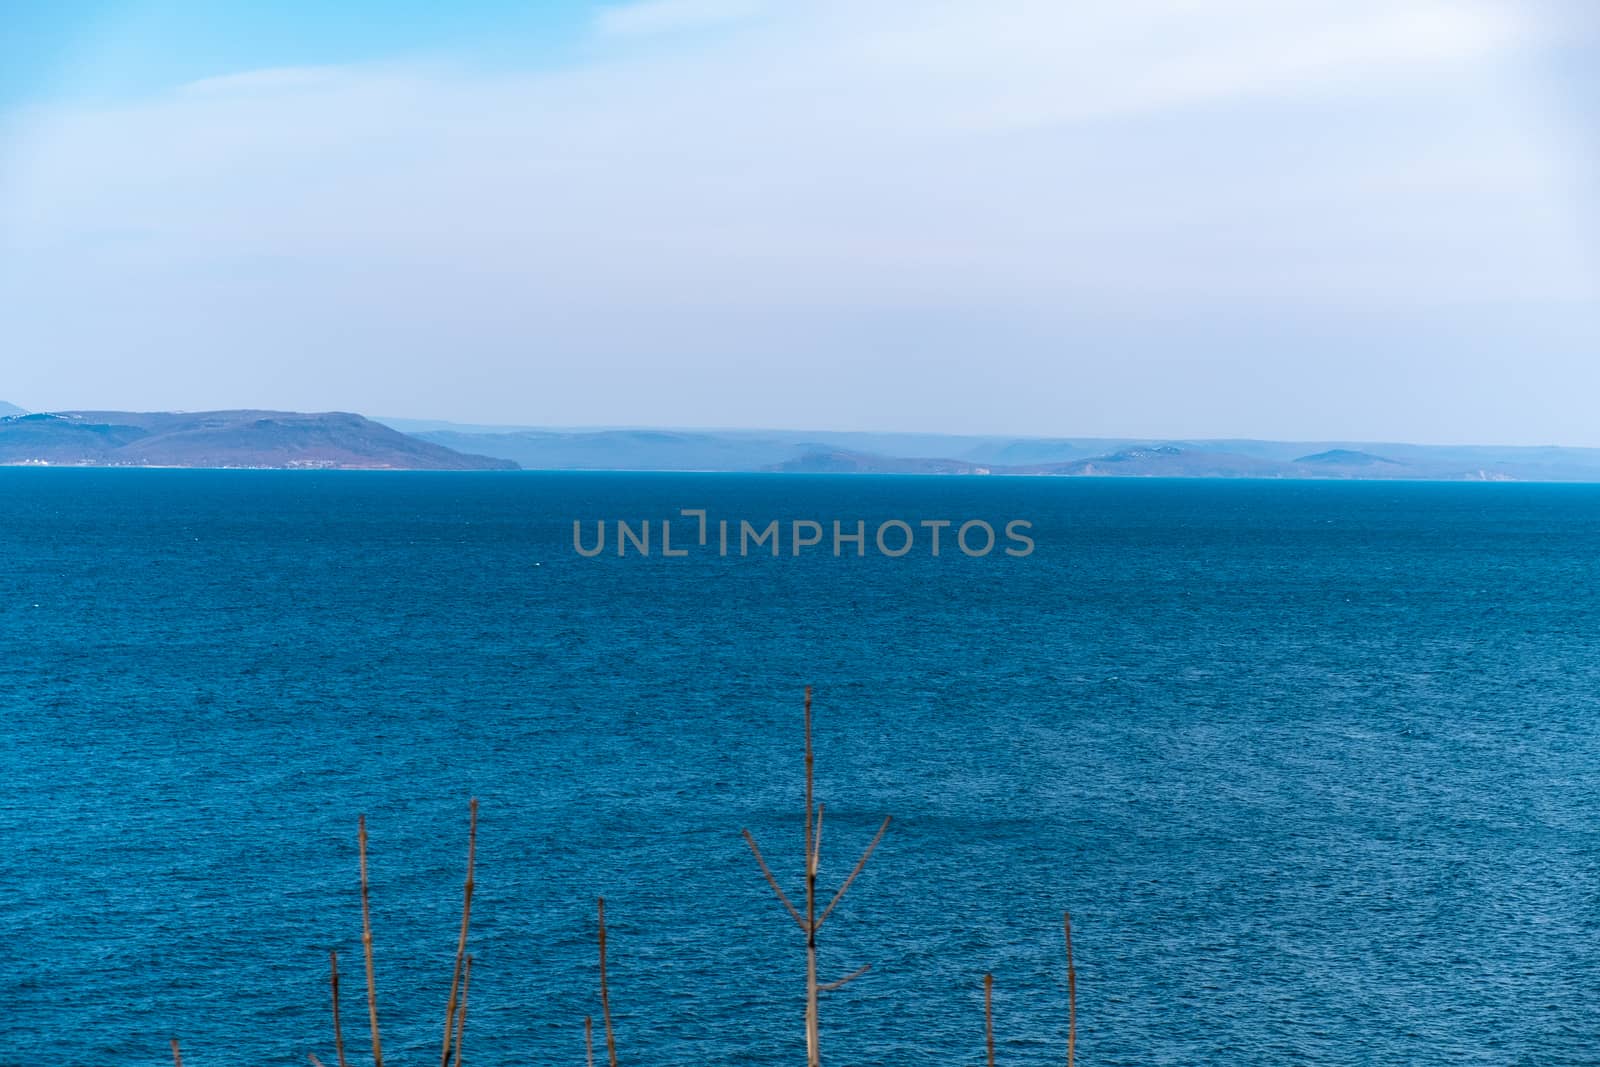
{"type": "Point", "coordinates": [1091, 195]}
{"type": "Point", "coordinates": [1029, 61]}
{"type": "Point", "coordinates": [258, 82]}
{"type": "Point", "coordinates": [651, 17]}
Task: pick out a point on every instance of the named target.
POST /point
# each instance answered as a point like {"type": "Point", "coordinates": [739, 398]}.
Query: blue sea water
{"type": "Point", "coordinates": [1315, 766]}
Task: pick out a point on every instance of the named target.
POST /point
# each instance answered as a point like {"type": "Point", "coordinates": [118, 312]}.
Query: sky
{"type": "Point", "coordinates": [1293, 219]}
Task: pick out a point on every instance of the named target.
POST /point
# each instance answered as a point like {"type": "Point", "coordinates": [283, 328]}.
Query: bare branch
{"type": "Point", "coordinates": [333, 980]}
{"type": "Point", "coordinates": [862, 862]}
{"type": "Point", "coordinates": [809, 764]}
{"type": "Point", "coordinates": [312, 1056]}
{"type": "Point", "coordinates": [588, 1038]}
{"type": "Point", "coordinates": [773, 882]}
{"type": "Point", "coordinates": [816, 843]}
{"type": "Point", "coordinates": [988, 1015]}
{"type": "Point", "coordinates": [828, 987]}
{"type": "Point", "coordinates": [808, 919]}
{"type": "Point", "coordinates": [366, 944]}
{"type": "Point", "coordinates": [177, 1056]}
{"type": "Point", "coordinates": [461, 1016]}
{"type": "Point", "coordinates": [605, 997]}
{"type": "Point", "coordinates": [461, 942]}
{"type": "Point", "coordinates": [813, 1026]}
{"type": "Point", "coordinates": [1072, 991]}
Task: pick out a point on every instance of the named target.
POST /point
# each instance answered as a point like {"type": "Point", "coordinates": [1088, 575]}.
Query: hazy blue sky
{"type": "Point", "coordinates": [1355, 219]}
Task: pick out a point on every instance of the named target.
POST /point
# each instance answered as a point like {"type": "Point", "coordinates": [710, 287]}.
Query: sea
{"type": "Point", "coordinates": [1314, 767]}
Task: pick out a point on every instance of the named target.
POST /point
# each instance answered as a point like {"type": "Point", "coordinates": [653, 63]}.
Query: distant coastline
{"type": "Point", "coordinates": [835, 452]}
{"type": "Point", "coordinates": [278, 440]}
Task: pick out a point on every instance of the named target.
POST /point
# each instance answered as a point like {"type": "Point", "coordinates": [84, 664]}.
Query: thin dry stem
{"type": "Point", "coordinates": [988, 1015]}
{"type": "Point", "coordinates": [773, 882]}
{"type": "Point", "coordinates": [177, 1056]}
{"type": "Point", "coordinates": [813, 1023]}
{"type": "Point", "coordinates": [312, 1056]}
{"type": "Point", "coordinates": [816, 843]}
{"type": "Point", "coordinates": [839, 983]}
{"type": "Point", "coordinates": [461, 942]}
{"type": "Point", "coordinates": [605, 996]}
{"type": "Point", "coordinates": [1072, 992]}
{"type": "Point", "coordinates": [588, 1037]}
{"type": "Point", "coordinates": [810, 762]}
{"type": "Point", "coordinates": [333, 981]}
{"type": "Point", "coordinates": [808, 920]}
{"type": "Point", "coordinates": [366, 945]}
{"type": "Point", "coordinates": [461, 1016]}
{"type": "Point", "coordinates": [862, 862]}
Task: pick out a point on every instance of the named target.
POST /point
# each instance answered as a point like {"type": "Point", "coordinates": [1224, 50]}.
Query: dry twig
{"type": "Point", "coordinates": [605, 996]}
{"type": "Point", "coordinates": [810, 922]}
{"type": "Point", "coordinates": [333, 981]}
{"type": "Point", "coordinates": [461, 1016]}
{"type": "Point", "coordinates": [461, 942]}
{"type": "Point", "coordinates": [988, 1015]}
{"type": "Point", "coordinates": [366, 945]}
{"type": "Point", "coordinates": [827, 987]}
{"type": "Point", "coordinates": [1072, 992]}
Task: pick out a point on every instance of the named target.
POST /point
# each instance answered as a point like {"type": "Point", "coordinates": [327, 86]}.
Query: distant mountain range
{"type": "Point", "coordinates": [277, 439]}
{"type": "Point", "coordinates": [826, 452]}
{"type": "Point", "coordinates": [338, 440]}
